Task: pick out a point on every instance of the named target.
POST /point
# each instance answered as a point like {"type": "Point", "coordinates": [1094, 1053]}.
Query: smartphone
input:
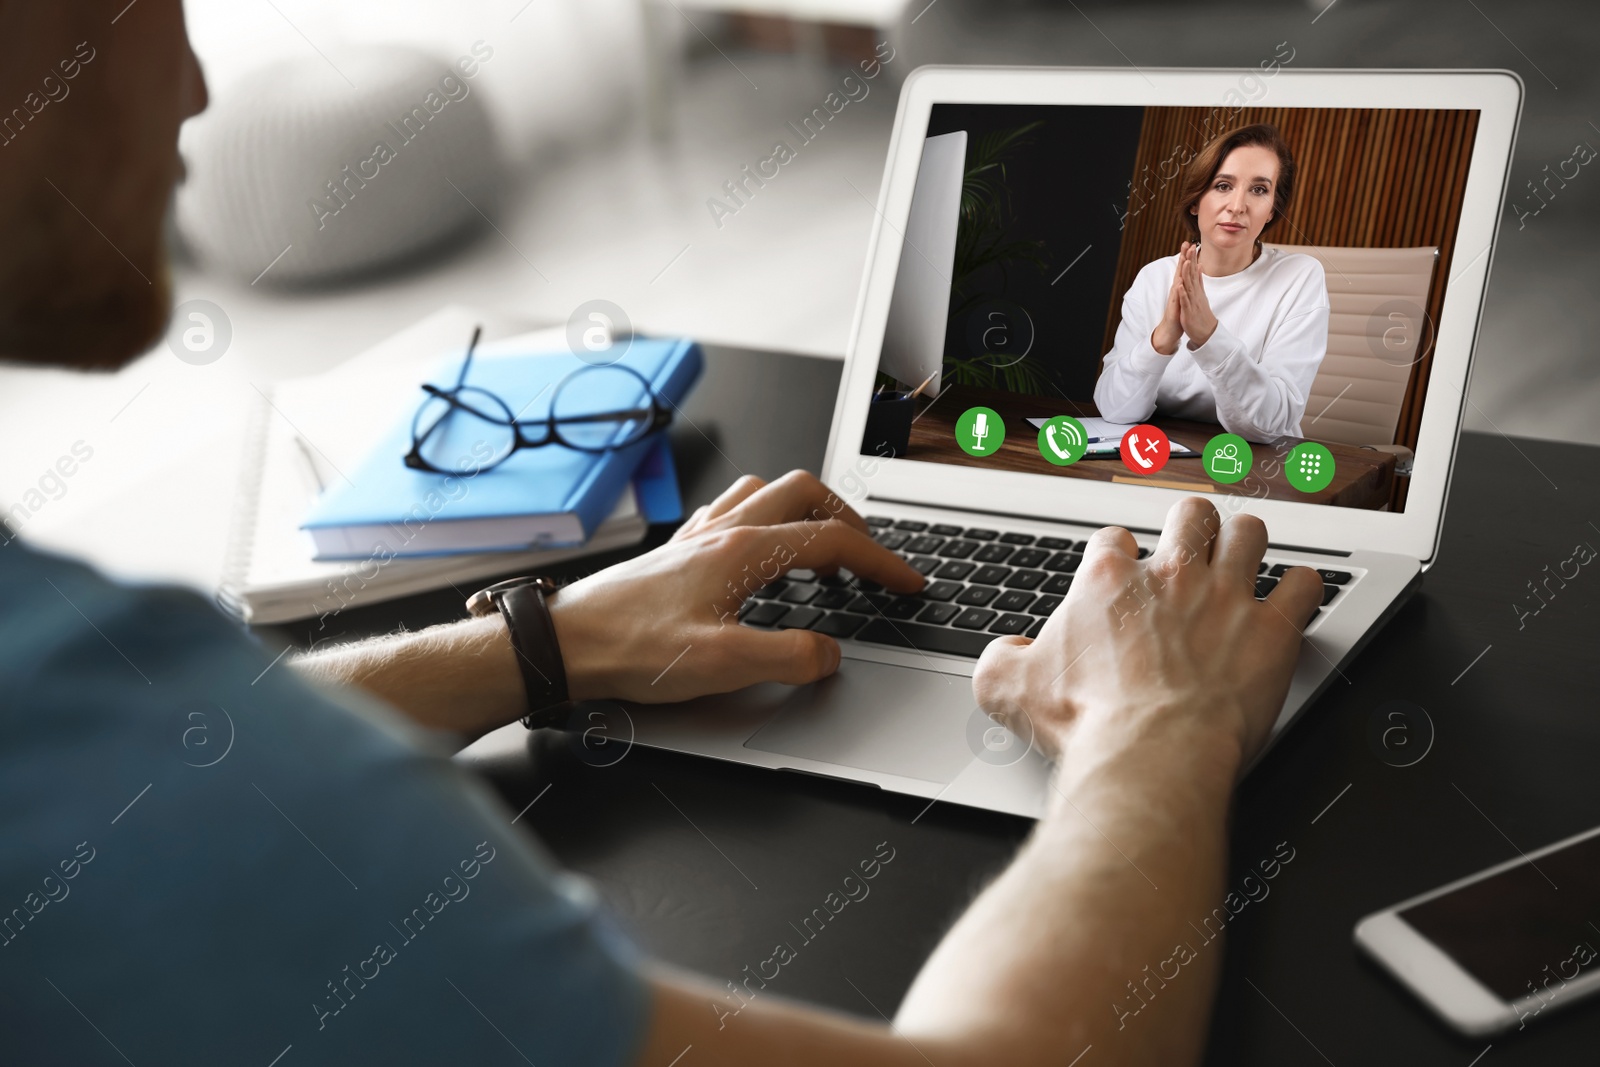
{"type": "Point", "coordinates": [1492, 951]}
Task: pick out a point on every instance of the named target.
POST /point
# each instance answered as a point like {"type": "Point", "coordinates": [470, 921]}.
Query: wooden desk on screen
{"type": "Point", "coordinates": [1363, 477]}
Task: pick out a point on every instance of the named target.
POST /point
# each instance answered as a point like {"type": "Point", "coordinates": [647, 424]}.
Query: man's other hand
{"type": "Point", "coordinates": [1176, 643]}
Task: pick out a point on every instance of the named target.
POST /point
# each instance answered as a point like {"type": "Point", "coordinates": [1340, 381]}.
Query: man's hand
{"type": "Point", "coordinates": [1176, 642]}
{"type": "Point", "coordinates": [664, 626]}
{"type": "Point", "coordinates": [660, 627]}
{"type": "Point", "coordinates": [1153, 681]}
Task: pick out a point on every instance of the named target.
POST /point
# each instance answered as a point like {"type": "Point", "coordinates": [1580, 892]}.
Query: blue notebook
{"type": "Point", "coordinates": [549, 497]}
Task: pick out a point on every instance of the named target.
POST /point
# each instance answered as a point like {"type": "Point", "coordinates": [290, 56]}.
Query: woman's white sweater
{"type": "Point", "coordinates": [1254, 374]}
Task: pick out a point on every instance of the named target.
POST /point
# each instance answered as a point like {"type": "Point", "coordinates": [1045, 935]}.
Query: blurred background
{"type": "Point", "coordinates": [581, 157]}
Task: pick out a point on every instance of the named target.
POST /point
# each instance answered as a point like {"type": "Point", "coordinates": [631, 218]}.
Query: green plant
{"type": "Point", "coordinates": [983, 240]}
{"type": "Point", "coordinates": [991, 371]}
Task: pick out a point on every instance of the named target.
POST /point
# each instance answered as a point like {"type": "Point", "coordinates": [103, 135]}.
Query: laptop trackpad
{"type": "Point", "coordinates": [893, 720]}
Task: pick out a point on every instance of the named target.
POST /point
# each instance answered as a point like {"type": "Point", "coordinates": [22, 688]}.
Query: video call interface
{"type": "Point", "coordinates": [1233, 299]}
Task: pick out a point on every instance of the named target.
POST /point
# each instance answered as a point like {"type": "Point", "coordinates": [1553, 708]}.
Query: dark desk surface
{"type": "Point", "coordinates": [708, 863]}
{"type": "Point", "coordinates": [1363, 477]}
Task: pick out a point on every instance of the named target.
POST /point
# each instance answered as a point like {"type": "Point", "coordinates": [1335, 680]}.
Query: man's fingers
{"type": "Point", "coordinates": [821, 545]}
{"type": "Point", "coordinates": [996, 674]}
{"type": "Point", "coordinates": [1187, 537]}
{"type": "Point", "coordinates": [797, 495]}
{"type": "Point", "coordinates": [695, 520]}
{"type": "Point", "coordinates": [1241, 543]}
{"type": "Point", "coordinates": [1297, 594]}
{"type": "Point", "coordinates": [793, 657]}
{"type": "Point", "coordinates": [731, 497]}
{"type": "Point", "coordinates": [1112, 539]}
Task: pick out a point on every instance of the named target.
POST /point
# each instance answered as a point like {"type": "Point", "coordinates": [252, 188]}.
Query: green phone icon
{"type": "Point", "coordinates": [1309, 467]}
{"type": "Point", "coordinates": [1227, 458]}
{"type": "Point", "coordinates": [1063, 440]}
{"type": "Point", "coordinates": [980, 431]}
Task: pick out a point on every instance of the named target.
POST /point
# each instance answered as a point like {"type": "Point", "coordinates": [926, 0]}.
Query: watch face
{"type": "Point", "coordinates": [482, 602]}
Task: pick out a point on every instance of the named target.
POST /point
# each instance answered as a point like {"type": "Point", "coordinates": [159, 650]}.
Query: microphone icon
{"type": "Point", "coordinates": [980, 431]}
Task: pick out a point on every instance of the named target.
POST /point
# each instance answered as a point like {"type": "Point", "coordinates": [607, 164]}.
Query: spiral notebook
{"type": "Point", "coordinates": [302, 433]}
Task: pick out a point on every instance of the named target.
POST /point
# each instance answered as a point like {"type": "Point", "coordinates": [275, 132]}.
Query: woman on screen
{"type": "Point", "coordinates": [1224, 331]}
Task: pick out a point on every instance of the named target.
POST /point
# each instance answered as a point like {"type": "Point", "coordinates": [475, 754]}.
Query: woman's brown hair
{"type": "Point", "coordinates": [1203, 169]}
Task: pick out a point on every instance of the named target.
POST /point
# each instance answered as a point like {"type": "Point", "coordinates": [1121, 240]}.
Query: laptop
{"type": "Point", "coordinates": [1002, 264]}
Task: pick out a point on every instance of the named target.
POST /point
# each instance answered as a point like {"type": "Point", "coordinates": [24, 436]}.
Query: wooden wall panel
{"type": "Point", "coordinates": [1375, 178]}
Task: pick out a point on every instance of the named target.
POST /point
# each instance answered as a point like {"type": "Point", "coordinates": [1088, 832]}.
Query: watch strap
{"type": "Point", "coordinates": [523, 605]}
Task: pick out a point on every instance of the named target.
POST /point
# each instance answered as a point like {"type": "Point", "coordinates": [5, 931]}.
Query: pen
{"type": "Point", "coordinates": [311, 463]}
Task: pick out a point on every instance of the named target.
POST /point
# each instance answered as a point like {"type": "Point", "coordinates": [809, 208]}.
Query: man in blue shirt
{"type": "Point", "coordinates": [204, 859]}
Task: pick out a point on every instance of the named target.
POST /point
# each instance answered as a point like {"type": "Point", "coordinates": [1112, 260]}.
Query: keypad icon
{"type": "Point", "coordinates": [1309, 467]}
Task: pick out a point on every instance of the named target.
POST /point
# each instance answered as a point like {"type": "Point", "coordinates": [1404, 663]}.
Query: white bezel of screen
{"type": "Point", "coordinates": [1435, 974]}
{"type": "Point", "coordinates": [1497, 95]}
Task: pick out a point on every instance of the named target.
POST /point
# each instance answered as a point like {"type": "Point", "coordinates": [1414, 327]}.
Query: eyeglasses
{"type": "Point", "coordinates": [465, 429]}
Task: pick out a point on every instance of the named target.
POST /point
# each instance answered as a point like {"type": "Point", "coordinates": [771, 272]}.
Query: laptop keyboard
{"type": "Point", "coordinates": [983, 583]}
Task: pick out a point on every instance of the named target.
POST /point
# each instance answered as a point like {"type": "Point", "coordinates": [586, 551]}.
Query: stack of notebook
{"type": "Point", "coordinates": [332, 518]}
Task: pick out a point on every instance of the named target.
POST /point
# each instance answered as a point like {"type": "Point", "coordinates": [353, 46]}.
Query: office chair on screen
{"type": "Point", "coordinates": [1377, 332]}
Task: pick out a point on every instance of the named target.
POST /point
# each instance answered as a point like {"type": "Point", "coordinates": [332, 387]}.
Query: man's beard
{"type": "Point", "coordinates": [53, 321]}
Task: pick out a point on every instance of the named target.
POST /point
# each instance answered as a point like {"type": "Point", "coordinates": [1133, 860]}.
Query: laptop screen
{"type": "Point", "coordinates": [1231, 299]}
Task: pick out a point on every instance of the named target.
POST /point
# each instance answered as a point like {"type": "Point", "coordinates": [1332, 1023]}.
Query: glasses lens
{"type": "Point", "coordinates": [466, 432]}
{"type": "Point", "coordinates": [602, 407]}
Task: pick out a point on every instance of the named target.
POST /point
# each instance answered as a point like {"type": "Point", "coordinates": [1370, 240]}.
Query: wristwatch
{"type": "Point", "coordinates": [521, 601]}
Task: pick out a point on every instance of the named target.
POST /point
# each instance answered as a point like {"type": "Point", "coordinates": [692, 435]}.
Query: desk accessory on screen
{"type": "Point", "coordinates": [913, 348]}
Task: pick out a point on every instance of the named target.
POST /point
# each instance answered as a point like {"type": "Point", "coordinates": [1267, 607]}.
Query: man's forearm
{"type": "Point", "coordinates": [461, 677]}
{"type": "Point", "coordinates": [1092, 923]}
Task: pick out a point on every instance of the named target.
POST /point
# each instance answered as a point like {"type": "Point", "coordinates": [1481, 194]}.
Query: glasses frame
{"type": "Point", "coordinates": [656, 416]}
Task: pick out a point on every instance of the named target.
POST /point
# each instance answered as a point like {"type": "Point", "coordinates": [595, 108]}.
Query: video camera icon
{"type": "Point", "coordinates": [1227, 458]}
